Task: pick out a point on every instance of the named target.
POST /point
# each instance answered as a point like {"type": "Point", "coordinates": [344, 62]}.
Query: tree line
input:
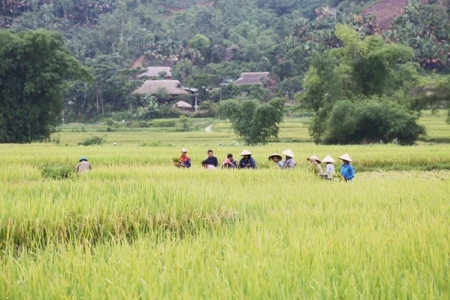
{"type": "Point", "coordinates": [299, 42]}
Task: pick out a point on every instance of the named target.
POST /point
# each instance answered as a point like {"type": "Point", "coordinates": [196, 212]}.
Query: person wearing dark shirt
{"type": "Point", "coordinates": [247, 162]}
{"type": "Point", "coordinates": [212, 160]}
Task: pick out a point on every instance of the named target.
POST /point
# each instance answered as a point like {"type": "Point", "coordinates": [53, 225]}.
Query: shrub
{"type": "Point", "coordinates": [92, 141]}
{"type": "Point", "coordinates": [109, 122]}
{"type": "Point", "coordinates": [166, 112]}
{"type": "Point", "coordinates": [152, 144]}
{"type": "Point", "coordinates": [164, 123]}
{"type": "Point", "coordinates": [371, 121]}
{"type": "Point", "coordinates": [57, 171]}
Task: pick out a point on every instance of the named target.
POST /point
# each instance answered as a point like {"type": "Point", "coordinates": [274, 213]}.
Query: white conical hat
{"type": "Point", "coordinates": [288, 152]}
{"type": "Point", "coordinates": [245, 152]}
{"type": "Point", "coordinates": [314, 157]}
{"type": "Point", "coordinates": [184, 150]}
{"type": "Point", "coordinates": [345, 157]}
{"type": "Point", "coordinates": [328, 159]}
{"type": "Point", "coordinates": [275, 154]}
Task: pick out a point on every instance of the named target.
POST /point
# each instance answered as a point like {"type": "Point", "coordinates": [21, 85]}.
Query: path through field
{"type": "Point", "coordinates": [208, 129]}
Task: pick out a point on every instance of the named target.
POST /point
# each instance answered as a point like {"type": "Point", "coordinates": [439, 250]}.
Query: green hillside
{"type": "Point", "coordinates": [208, 44]}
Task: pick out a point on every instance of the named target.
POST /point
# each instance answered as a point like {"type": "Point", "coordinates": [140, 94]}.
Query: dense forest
{"type": "Point", "coordinates": [208, 44]}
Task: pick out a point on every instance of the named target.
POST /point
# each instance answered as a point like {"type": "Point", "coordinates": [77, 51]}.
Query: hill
{"type": "Point", "coordinates": [176, 5]}
{"type": "Point", "coordinates": [386, 11]}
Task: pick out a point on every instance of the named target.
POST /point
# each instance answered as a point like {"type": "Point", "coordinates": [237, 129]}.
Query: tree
{"type": "Point", "coordinates": [341, 78]}
{"type": "Point", "coordinates": [371, 61]}
{"type": "Point", "coordinates": [252, 121]}
{"type": "Point", "coordinates": [199, 42]}
{"type": "Point", "coordinates": [425, 28]}
{"type": "Point", "coordinates": [35, 69]}
{"type": "Point", "coordinates": [113, 85]}
{"type": "Point", "coordinates": [433, 92]}
{"type": "Point", "coordinates": [184, 122]}
{"type": "Point", "coordinates": [370, 121]}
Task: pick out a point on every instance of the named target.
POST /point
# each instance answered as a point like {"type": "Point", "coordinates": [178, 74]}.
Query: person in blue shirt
{"type": "Point", "coordinates": [212, 160]}
{"type": "Point", "coordinates": [276, 158]}
{"type": "Point", "coordinates": [347, 170]}
{"type": "Point", "coordinates": [247, 161]}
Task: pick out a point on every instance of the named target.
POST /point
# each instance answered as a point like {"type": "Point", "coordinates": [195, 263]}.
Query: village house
{"type": "Point", "coordinates": [157, 87]}
{"type": "Point", "coordinates": [249, 78]}
{"type": "Point", "coordinates": [183, 105]}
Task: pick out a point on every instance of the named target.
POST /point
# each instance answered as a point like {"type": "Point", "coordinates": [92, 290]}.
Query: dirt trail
{"type": "Point", "coordinates": [208, 129]}
{"type": "Point", "coordinates": [386, 12]}
{"type": "Point", "coordinates": [138, 62]}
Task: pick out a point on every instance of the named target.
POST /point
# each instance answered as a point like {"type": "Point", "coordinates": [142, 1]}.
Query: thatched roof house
{"type": "Point", "coordinates": [182, 104]}
{"type": "Point", "coordinates": [154, 87]}
{"type": "Point", "coordinates": [155, 72]}
{"type": "Point", "coordinates": [252, 78]}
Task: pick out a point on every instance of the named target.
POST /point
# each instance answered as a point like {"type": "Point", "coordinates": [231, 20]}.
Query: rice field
{"type": "Point", "coordinates": [135, 227]}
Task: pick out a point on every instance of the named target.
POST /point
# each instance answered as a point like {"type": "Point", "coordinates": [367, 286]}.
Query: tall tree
{"type": "Point", "coordinates": [426, 29]}
{"type": "Point", "coordinates": [252, 121]}
{"type": "Point", "coordinates": [361, 70]}
{"type": "Point", "coordinates": [35, 67]}
{"type": "Point", "coordinates": [371, 61]}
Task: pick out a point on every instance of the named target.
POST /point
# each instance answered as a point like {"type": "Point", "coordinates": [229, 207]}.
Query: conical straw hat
{"type": "Point", "coordinates": [275, 155]}
{"type": "Point", "coordinates": [245, 152]}
{"type": "Point", "coordinates": [288, 152]}
{"type": "Point", "coordinates": [328, 159]}
{"type": "Point", "coordinates": [314, 157]}
{"type": "Point", "coordinates": [345, 157]}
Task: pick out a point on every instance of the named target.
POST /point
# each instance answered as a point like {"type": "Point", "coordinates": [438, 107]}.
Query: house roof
{"type": "Point", "coordinates": [182, 104]}
{"type": "Point", "coordinates": [152, 87]}
{"type": "Point", "coordinates": [252, 78]}
{"type": "Point", "coordinates": [155, 71]}
{"type": "Point", "coordinates": [190, 89]}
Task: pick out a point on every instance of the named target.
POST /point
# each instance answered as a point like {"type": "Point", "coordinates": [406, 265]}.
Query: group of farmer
{"type": "Point", "coordinates": [211, 162]}
{"type": "Point", "coordinates": [247, 162]}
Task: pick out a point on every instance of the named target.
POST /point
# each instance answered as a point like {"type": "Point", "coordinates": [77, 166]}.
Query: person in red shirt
{"type": "Point", "coordinates": [185, 161]}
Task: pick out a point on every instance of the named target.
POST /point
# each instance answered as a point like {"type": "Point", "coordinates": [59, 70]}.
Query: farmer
{"type": "Point", "coordinates": [212, 160]}
{"type": "Point", "coordinates": [229, 163]}
{"type": "Point", "coordinates": [276, 158]}
{"type": "Point", "coordinates": [289, 161]}
{"type": "Point", "coordinates": [347, 170]}
{"type": "Point", "coordinates": [329, 169]}
{"type": "Point", "coordinates": [247, 161]}
{"type": "Point", "coordinates": [207, 166]}
{"type": "Point", "coordinates": [84, 165]}
{"type": "Point", "coordinates": [315, 164]}
{"type": "Point", "coordinates": [185, 161]}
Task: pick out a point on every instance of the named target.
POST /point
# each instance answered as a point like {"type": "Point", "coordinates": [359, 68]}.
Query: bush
{"type": "Point", "coordinates": [138, 124]}
{"type": "Point", "coordinates": [166, 112]}
{"type": "Point", "coordinates": [371, 121]}
{"type": "Point", "coordinates": [57, 171]}
{"type": "Point", "coordinates": [165, 123]}
{"type": "Point", "coordinates": [92, 141]}
{"type": "Point", "coordinates": [154, 144]}
{"type": "Point", "coordinates": [109, 122]}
